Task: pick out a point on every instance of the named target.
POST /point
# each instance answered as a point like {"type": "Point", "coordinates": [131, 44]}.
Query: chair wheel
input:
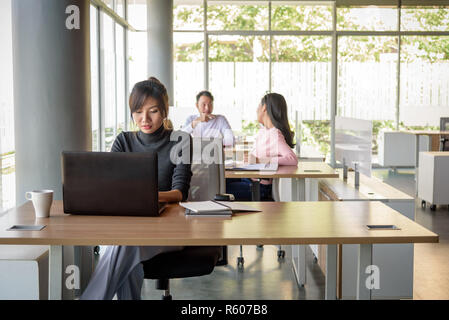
{"type": "Point", "coordinates": [169, 297]}
{"type": "Point", "coordinates": [423, 204]}
{"type": "Point", "coordinates": [96, 250]}
{"type": "Point", "coordinates": [433, 207]}
{"type": "Point", "coordinates": [281, 254]}
{"type": "Point", "coordinates": [240, 262]}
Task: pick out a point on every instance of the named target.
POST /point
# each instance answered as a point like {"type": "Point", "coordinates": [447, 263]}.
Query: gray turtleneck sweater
{"type": "Point", "coordinates": [171, 176]}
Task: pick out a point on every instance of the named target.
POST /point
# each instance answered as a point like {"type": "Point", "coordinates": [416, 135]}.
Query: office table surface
{"type": "Point", "coordinates": [278, 223]}
{"type": "Point", "coordinates": [437, 153]}
{"type": "Point", "coordinates": [302, 171]}
{"type": "Point", "coordinates": [370, 188]}
{"type": "Point", "coordinates": [425, 132]}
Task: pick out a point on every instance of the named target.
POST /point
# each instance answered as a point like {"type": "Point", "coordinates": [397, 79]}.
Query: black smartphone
{"type": "Point", "coordinates": [382, 227]}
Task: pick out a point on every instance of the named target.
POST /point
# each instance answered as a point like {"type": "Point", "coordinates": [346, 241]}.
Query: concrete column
{"type": "Point", "coordinates": [51, 90]}
{"type": "Point", "coordinates": [160, 42]}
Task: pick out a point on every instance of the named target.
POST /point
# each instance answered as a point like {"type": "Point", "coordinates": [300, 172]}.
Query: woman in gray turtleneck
{"type": "Point", "coordinates": [120, 270]}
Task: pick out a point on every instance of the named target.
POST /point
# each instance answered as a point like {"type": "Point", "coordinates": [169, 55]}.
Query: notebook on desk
{"type": "Point", "coordinates": [215, 208]}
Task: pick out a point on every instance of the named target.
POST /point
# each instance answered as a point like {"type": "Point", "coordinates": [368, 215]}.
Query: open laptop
{"type": "Point", "coordinates": [110, 183]}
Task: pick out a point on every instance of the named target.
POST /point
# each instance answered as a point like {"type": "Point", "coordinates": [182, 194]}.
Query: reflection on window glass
{"type": "Point", "coordinates": [188, 16]}
{"type": "Point", "coordinates": [227, 15]}
{"type": "Point", "coordinates": [95, 81]}
{"type": "Point", "coordinates": [188, 67]}
{"type": "Point", "coordinates": [137, 14]}
{"type": "Point", "coordinates": [424, 80]}
{"type": "Point", "coordinates": [425, 19]}
{"type": "Point", "coordinates": [120, 8]}
{"type": "Point", "coordinates": [301, 71]}
{"type": "Point", "coordinates": [109, 82]}
{"type": "Point", "coordinates": [367, 80]}
{"type": "Point", "coordinates": [238, 75]}
{"type": "Point", "coordinates": [121, 90]}
{"type": "Point", "coordinates": [367, 18]}
{"type": "Point", "coordinates": [291, 16]}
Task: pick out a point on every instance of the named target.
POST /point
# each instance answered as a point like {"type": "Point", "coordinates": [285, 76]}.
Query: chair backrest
{"type": "Point", "coordinates": [444, 124]}
{"type": "Point", "coordinates": [208, 172]}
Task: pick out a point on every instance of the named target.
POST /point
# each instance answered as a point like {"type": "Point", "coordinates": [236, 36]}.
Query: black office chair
{"type": "Point", "coordinates": [207, 181]}
{"type": "Point", "coordinates": [444, 126]}
{"type": "Point", "coordinates": [189, 262]}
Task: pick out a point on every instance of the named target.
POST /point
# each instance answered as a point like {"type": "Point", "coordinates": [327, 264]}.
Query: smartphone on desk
{"type": "Point", "coordinates": [382, 227]}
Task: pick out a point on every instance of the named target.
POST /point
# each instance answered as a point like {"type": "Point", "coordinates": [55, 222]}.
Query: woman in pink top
{"type": "Point", "coordinates": [274, 143]}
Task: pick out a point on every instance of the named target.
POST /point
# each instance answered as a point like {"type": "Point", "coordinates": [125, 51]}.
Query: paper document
{"type": "Point", "coordinates": [251, 167]}
{"type": "Point", "coordinates": [238, 207]}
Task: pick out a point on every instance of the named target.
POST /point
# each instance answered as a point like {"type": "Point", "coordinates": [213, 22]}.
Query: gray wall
{"type": "Point", "coordinates": [51, 90]}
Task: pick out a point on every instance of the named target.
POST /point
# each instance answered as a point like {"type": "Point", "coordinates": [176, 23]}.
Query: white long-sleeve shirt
{"type": "Point", "coordinates": [215, 128]}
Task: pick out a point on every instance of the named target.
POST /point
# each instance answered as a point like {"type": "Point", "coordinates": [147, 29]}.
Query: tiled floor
{"type": "Point", "coordinates": [264, 277]}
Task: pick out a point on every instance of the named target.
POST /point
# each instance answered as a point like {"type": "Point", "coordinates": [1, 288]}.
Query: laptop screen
{"type": "Point", "coordinates": [110, 183]}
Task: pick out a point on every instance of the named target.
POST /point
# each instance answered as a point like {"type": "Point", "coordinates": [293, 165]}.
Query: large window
{"type": "Point", "coordinates": [7, 156]}
{"type": "Point", "coordinates": [238, 75]}
{"type": "Point", "coordinates": [424, 93]}
{"type": "Point", "coordinates": [367, 70]}
{"type": "Point", "coordinates": [95, 80]}
{"type": "Point", "coordinates": [110, 63]}
{"type": "Point", "coordinates": [240, 50]}
{"type": "Point", "coordinates": [383, 63]}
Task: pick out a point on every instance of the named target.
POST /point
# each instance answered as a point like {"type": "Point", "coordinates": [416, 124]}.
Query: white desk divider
{"type": "Point", "coordinates": [353, 140]}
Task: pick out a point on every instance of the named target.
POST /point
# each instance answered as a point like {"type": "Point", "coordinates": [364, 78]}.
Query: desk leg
{"type": "Point", "coordinates": [331, 272]}
{"type": "Point", "coordinates": [365, 260]}
{"type": "Point", "coordinates": [298, 193]}
{"type": "Point", "coordinates": [298, 189]}
{"type": "Point", "coordinates": [255, 190]}
{"type": "Point", "coordinates": [55, 273]}
{"type": "Point", "coordinates": [416, 163]}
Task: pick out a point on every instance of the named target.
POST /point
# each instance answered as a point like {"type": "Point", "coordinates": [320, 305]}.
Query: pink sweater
{"type": "Point", "coordinates": [270, 143]}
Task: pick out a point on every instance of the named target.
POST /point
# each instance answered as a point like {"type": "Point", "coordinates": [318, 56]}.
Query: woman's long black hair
{"type": "Point", "coordinates": [277, 111]}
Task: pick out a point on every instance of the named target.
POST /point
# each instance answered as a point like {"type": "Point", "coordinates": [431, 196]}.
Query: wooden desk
{"type": "Point", "coordinates": [330, 223]}
{"type": "Point", "coordinates": [302, 171]}
{"type": "Point", "coordinates": [307, 153]}
{"type": "Point", "coordinates": [299, 183]}
{"type": "Point", "coordinates": [396, 259]}
{"type": "Point", "coordinates": [370, 188]}
{"type": "Point", "coordinates": [297, 174]}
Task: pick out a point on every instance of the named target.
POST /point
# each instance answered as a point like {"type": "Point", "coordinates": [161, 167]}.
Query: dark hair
{"type": "Point", "coordinates": [149, 88]}
{"type": "Point", "coordinates": [204, 93]}
{"type": "Point", "coordinates": [277, 111]}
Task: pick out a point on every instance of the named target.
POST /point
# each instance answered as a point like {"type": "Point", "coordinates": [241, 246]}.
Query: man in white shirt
{"type": "Point", "coordinates": [207, 124]}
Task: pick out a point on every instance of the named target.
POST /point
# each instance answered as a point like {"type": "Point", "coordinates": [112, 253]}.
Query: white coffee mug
{"type": "Point", "coordinates": [42, 200]}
